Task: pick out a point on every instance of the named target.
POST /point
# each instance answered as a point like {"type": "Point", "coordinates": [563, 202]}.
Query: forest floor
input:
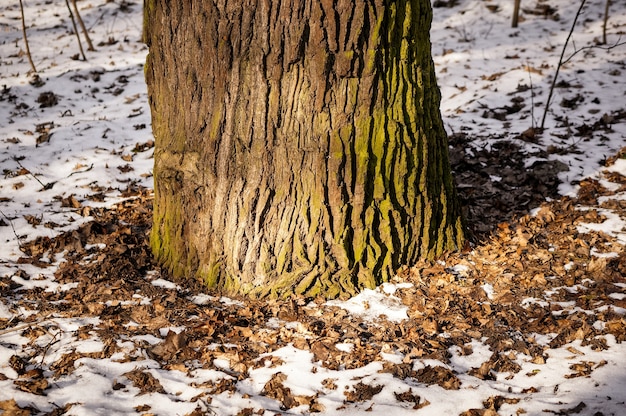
{"type": "Point", "coordinates": [531, 319]}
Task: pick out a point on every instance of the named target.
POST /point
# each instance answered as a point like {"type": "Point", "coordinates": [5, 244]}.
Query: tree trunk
{"type": "Point", "coordinates": [299, 143]}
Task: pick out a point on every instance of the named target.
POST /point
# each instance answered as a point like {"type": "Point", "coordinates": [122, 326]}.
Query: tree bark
{"type": "Point", "coordinates": [299, 143]}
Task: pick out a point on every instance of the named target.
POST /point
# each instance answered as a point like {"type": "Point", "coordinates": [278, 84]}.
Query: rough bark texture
{"type": "Point", "coordinates": [299, 143]}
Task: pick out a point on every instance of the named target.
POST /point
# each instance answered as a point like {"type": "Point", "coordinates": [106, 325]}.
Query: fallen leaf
{"type": "Point", "coordinates": [361, 392]}
{"type": "Point", "coordinates": [144, 381]}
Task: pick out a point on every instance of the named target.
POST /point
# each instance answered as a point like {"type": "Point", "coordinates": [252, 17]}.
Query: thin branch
{"type": "Point", "coordinates": [82, 26]}
{"type": "Point", "coordinates": [53, 341]}
{"type": "Point", "coordinates": [532, 97]}
{"type": "Point", "coordinates": [19, 244]}
{"type": "Point", "coordinates": [606, 48]}
{"type": "Point", "coordinates": [606, 18]}
{"type": "Point", "coordinates": [44, 187]}
{"type": "Point", "coordinates": [80, 44]}
{"type": "Point", "coordinates": [28, 170]}
{"type": "Point", "coordinates": [20, 327]}
{"type": "Point", "coordinates": [515, 13]}
{"type": "Point", "coordinates": [30, 58]}
{"type": "Point", "coordinates": [558, 67]}
{"type": "Point", "coordinates": [81, 171]}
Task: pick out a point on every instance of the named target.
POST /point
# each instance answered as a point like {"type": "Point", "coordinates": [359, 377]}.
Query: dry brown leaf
{"type": "Point", "coordinates": [173, 344]}
{"type": "Point", "coordinates": [70, 202]}
{"type": "Point", "coordinates": [495, 402]}
{"type": "Point", "coordinates": [408, 396]}
{"type": "Point", "coordinates": [597, 265]}
{"type": "Point", "coordinates": [361, 392]}
{"type": "Point", "coordinates": [582, 369]}
{"type": "Point", "coordinates": [329, 383]}
{"type": "Point", "coordinates": [34, 386]}
{"type": "Point", "coordinates": [483, 372]}
{"type": "Point", "coordinates": [430, 326]}
{"type": "Point", "coordinates": [144, 381]}
{"type": "Point", "coordinates": [545, 214]}
{"type": "Point", "coordinates": [11, 408]}
{"type": "Point", "coordinates": [275, 389]}
{"type": "Point", "coordinates": [479, 412]}
{"type": "Point", "coordinates": [575, 351]}
{"type": "Point", "coordinates": [438, 375]}
{"type": "Point", "coordinates": [323, 350]}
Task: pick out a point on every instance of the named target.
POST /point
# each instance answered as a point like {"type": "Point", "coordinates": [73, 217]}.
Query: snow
{"type": "Point", "coordinates": [102, 115]}
{"type": "Point", "coordinates": [5, 312]}
{"type": "Point", "coordinates": [166, 284]}
{"type": "Point", "coordinates": [488, 288]}
{"type": "Point", "coordinates": [375, 304]}
{"type": "Point", "coordinates": [614, 225]}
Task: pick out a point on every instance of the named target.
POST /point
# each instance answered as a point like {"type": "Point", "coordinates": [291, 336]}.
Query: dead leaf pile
{"type": "Point", "coordinates": [541, 274]}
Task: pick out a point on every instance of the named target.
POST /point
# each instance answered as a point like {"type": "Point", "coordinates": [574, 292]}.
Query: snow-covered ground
{"type": "Point", "coordinates": [79, 138]}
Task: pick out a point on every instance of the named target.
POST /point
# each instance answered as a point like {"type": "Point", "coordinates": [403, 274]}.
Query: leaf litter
{"type": "Point", "coordinates": [550, 290]}
{"type": "Point", "coordinates": [534, 305]}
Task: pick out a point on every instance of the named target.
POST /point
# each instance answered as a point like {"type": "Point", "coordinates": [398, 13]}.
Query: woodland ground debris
{"type": "Point", "coordinates": [529, 320]}
{"type": "Point", "coordinates": [545, 276]}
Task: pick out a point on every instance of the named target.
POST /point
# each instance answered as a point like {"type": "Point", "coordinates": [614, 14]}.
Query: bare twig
{"type": "Point", "coordinates": [81, 171]}
{"type": "Point", "coordinates": [516, 13]}
{"type": "Point", "coordinates": [24, 326]}
{"type": "Point", "coordinates": [19, 244]}
{"type": "Point", "coordinates": [532, 98]}
{"type": "Point", "coordinates": [558, 67]}
{"type": "Point", "coordinates": [53, 341]}
{"type": "Point", "coordinates": [80, 44]}
{"type": "Point", "coordinates": [606, 18]}
{"type": "Point", "coordinates": [82, 26]}
{"type": "Point", "coordinates": [44, 187]}
{"type": "Point", "coordinates": [30, 58]}
{"type": "Point", "coordinates": [584, 48]}
{"type": "Point", "coordinates": [27, 170]}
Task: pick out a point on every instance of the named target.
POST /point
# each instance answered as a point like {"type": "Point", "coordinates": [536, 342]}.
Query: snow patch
{"type": "Point", "coordinates": [372, 305]}
{"type": "Point", "coordinates": [488, 288]}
